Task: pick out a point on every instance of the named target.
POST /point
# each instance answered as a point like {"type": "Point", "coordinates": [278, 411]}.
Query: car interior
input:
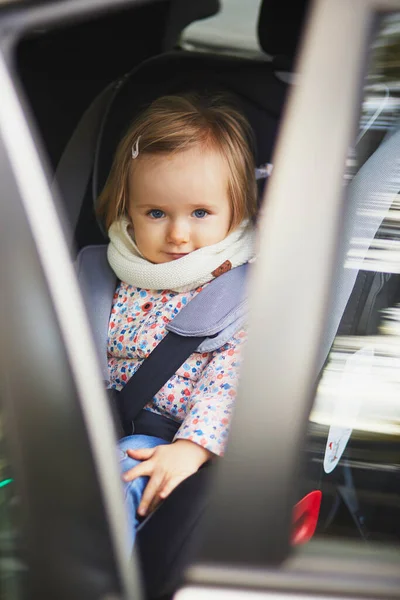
{"type": "Point", "coordinates": [261, 93]}
{"type": "Point", "coordinates": [83, 83]}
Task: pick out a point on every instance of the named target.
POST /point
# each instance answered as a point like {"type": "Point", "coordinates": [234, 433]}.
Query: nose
{"type": "Point", "coordinates": [178, 232]}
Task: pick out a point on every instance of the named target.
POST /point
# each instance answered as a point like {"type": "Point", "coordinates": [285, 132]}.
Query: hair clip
{"type": "Point", "coordinates": [135, 148]}
{"type": "Point", "coordinates": [264, 171]}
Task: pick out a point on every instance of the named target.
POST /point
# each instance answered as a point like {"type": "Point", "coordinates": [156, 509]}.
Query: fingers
{"type": "Point", "coordinates": [144, 468]}
{"type": "Point", "coordinates": [154, 503]}
{"type": "Point", "coordinates": [150, 493]}
{"type": "Point", "coordinates": [163, 492]}
{"type": "Point", "coordinates": [141, 453]}
{"type": "Point", "coordinates": [169, 487]}
{"type": "Point", "coordinates": [166, 466]}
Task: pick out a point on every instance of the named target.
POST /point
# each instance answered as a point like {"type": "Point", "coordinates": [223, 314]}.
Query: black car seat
{"type": "Point", "coordinates": [62, 69]}
{"type": "Point", "coordinates": [256, 83]}
{"type": "Point", "coordinates": [280, 26]}
{"type": "Point", "coordinates": [258, 91]}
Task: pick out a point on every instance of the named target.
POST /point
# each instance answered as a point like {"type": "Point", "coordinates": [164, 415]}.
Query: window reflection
{"type": "Point", "coordinates": [353, 440]}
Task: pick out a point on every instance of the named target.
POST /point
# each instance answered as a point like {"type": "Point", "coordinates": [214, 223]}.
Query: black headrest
{"type": "Point", "coordinates": [280, 25]}
{"type": "Point", "coordinates": [258, 92]}
{"type": "Point", "coordinates": [183, 13]}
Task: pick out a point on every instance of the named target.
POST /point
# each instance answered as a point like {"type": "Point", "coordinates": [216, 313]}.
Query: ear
{"type": "Point", "coordinates": [131, 229]}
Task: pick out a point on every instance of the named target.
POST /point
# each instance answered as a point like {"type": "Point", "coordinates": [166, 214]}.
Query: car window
{"type": "Point", "coordinates": [352, 452]}
{"type": "Point", "coordinates": [232, 31]}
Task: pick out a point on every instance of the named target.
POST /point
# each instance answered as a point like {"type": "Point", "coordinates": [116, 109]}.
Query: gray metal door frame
{"type": "Point", "coordinates": [63, 451]}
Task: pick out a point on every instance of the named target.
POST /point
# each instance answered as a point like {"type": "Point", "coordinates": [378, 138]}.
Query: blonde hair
{"type": "Point", "coordinates": [177, 123]}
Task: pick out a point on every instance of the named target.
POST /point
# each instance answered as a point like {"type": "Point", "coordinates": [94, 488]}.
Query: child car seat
{"type": "Point", "coordinates": [257, 84]}
{"type": "Point", "coordinates": [258, 91]}
{"type": "Point", "coordinates": [261, 94]}
{"type": "Point", "coordinates": [261, 101]}
{"type": "Point", "coordinates": [63, 70]}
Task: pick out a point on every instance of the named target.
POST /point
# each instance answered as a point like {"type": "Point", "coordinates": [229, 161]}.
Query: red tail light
{"type": "Point", "coordinates": [305, 517]}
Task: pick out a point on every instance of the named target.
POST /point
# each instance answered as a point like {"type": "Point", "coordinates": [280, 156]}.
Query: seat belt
{"type": "Point", "coordinates": [205, 324]}
{"type": "Point", "coordinates": [152, 375]}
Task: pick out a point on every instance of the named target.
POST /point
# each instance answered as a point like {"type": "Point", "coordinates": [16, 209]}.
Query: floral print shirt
{"type": "Point", "coordinates": [200, 395]}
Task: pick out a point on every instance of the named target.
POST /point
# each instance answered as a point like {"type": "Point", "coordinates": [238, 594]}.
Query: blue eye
{"type": "Point", "coordinates": [200, 213]}
{"type": "Point", "coordinates": [156, 214]}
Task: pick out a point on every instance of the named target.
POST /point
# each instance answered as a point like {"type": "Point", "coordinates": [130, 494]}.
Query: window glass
{"type": "Point", "coordinates": [232, 31]}
{"type": "Point", "coordinates": [353, 443]}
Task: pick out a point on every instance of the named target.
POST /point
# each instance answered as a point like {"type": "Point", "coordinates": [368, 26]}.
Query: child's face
{"type": "Point", "coordinates": [179, 203]}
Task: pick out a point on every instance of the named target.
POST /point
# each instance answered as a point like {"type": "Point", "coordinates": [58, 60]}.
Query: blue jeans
{"type": "Point", "coordinates": [133, 490]}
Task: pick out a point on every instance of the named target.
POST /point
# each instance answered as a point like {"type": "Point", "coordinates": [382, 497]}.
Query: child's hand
{"type": "Point", "coordinates": [167, 467]}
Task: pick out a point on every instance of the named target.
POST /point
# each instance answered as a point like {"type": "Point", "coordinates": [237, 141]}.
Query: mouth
{"type": "Point", "coordinates": [175, 255]}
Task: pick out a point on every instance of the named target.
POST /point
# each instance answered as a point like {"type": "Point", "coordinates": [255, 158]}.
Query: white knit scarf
{"type": "Point", "coordinates": [186, 273]}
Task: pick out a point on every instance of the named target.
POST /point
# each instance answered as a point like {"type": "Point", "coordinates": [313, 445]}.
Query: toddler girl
{"type": "Point", "coordinates": [178, 205]}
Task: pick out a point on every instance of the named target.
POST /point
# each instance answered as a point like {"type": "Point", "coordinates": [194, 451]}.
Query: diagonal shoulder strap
{"type": "Point", "coordinates": [153, 373]}
{"type": "Point", "coordinates": [210, 314]}
{"type": "Point", "coordinates": [206, 323]}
